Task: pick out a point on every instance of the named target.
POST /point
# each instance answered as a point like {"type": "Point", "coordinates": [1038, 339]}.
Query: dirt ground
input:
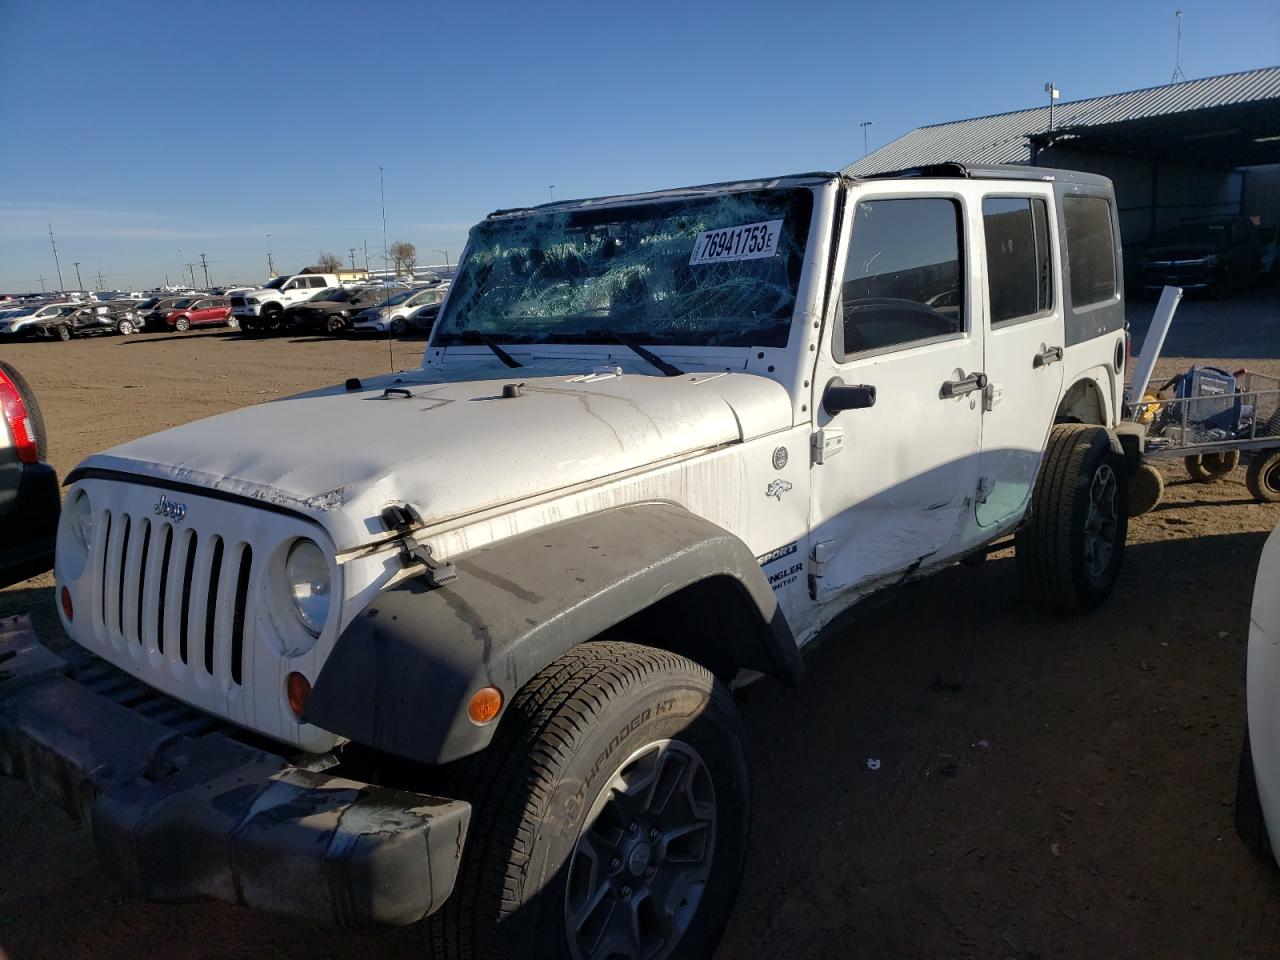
{"type": "Point", "coordinates": [1048, 787]}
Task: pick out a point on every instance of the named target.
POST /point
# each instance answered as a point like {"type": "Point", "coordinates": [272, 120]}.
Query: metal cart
{"type": "Point", "coordinates": [1214, 421]}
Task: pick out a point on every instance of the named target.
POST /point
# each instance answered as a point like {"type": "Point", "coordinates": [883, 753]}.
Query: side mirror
{"type": "Point", "coordinates": [842, 396]}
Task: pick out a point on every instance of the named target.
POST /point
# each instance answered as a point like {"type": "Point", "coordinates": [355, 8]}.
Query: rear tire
{"type": "Point", "coordinates": [1263, 477]}
{"type": "Point", "coordinates": [1146, 489]}
{"type": "Point", "coordinates": [1251, 825]}
{"type": "Point", "coordinates": [64, 332]}
{"type": "Point", "coordinates": [1207, 467]}
{"type": "Point", "coordinates": [1069, 551]}
{"type": "Point", "coordinates": [544, 872]}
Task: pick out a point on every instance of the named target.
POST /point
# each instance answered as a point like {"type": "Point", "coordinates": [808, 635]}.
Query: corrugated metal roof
{"type": "Point", "coordinates": [1002, 138]}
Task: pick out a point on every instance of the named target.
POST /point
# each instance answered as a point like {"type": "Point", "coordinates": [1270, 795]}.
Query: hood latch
{"type": "Point", "coordinates": [401, 519]}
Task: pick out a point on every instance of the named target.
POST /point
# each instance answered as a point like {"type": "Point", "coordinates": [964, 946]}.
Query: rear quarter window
{"type": "Point", "coordinates": [1090, 250]}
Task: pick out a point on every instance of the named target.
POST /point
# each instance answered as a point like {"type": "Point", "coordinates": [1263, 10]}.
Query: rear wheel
{"type": "Point", "coordinates": [233, 323]}
{"type": "Point", "coordinates": [1263, 477]}
{"type": "Point", "coordinates": [1146, 488]}
{"type": "Point", "coordinates": [125, 327]}
{"type": "Point", "coordinates": [1207, 467]}
{"type": "Point", "coordinates": [1069, 551]}
{"type": "Point", "coordinates": [334, 325]}
{"type": "Point", "coordinates": [182, 324]}
{"type": "Point", "coordinates": [64, 332]}
{"type": "Point", "coordinates": [610, 815]}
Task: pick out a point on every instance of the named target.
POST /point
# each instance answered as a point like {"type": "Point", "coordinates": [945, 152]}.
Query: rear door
{"type": "Point", "coordinates": [1024, 346]}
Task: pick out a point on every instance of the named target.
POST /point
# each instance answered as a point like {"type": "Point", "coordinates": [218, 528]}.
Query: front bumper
{"type": "Point", "coordinates": [181, 810]}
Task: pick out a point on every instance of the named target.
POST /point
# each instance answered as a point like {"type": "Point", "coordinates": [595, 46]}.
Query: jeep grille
{"type": "Point", "coordinates": [176, 592]}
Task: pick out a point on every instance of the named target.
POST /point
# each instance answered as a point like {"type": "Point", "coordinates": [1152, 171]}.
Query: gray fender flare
{"type": "Point", "coordinates": [401, 674]}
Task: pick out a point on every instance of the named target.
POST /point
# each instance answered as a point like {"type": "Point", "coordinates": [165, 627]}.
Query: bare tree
{"type": "Point", "coordinates": [404, 253]}
{"type": "Point", "coordinates": [328, 263]}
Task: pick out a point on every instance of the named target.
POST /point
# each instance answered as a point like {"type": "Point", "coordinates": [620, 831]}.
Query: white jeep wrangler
{"type": "Point", "coordinates": [261, 309]}
{"type": "Point", "coordinates": [457, 643]}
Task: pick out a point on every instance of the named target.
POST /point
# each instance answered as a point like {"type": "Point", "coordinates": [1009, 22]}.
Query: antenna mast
{"type": "Point", "coordinates": [1178, 75]}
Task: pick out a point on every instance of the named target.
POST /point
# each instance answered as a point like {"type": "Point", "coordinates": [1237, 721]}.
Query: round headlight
{"type": "Point", "coordinates": [82, 519]}
{"type": "Point", "coordinates": [308, 577]}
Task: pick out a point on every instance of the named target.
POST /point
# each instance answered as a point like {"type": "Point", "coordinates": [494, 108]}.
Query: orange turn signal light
{"type": "Point", "coordinates": [485, 705]}
{"type": "Point", "coordinates": [64, 595]}
{"type": "Point", "coordinates": [298, 689]}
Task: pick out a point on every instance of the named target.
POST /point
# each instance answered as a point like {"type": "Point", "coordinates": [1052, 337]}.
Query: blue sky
{"type": "Point", "coordinates": [143, 129]}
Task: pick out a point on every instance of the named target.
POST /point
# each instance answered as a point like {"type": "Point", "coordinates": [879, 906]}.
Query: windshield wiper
{"type": "Point", "coordinates": [487, 340]}
{"type": "Point", "coordinates": [668, 369]}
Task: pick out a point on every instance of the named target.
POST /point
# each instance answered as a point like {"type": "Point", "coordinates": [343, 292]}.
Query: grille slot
{"type": "Point", "coordinates": [175, 592]}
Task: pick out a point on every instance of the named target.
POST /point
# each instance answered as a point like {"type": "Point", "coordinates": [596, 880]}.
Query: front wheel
{"type": "Point", "coordinates": [334, 325]}
{"type": "Point", "coordinates": [610, 815]}
{"type": "Point", "coordinates": [398, 327]}
{"type": "Point", "coordinates": [125, 327]}
{"type": "Point", "coordinates": [64, 332]}
{"type": "Point", "coordinates": [182, 324]}
{"type": "Point", "coordinates": [1263, 476]}
{"type": "Point", "coordinates": [233, 323]}
{"type": "Point", "coordinates": [1207, 467]}
{"type": "Point", "coordinates": [1068, 553]}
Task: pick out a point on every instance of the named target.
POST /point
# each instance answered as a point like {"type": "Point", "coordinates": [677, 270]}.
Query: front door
{"type": "Point", "coordinates": [1024, 347]}
{"type": "Point", "coordinates": [895, 482]}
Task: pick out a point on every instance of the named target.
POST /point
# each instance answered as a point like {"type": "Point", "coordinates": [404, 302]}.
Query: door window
{"type": "Point", "coordinates": [904, 278]}
{"type": "Point", "coordinates": [1019, 272]}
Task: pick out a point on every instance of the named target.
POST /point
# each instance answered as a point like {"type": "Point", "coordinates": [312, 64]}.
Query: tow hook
{"type": "Point", "coordinates": [401, 519]}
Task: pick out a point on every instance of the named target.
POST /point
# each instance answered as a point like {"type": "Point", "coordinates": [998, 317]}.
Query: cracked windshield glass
{"type": "Point", "coordinates": [706, 271]}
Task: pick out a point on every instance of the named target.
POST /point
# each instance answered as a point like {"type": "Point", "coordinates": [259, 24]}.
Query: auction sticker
{"type": "Point", "coordinates": [751, 241]}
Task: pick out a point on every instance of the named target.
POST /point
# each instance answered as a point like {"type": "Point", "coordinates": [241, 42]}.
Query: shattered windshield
{"type": "Point", "coordinates": [705, 271]}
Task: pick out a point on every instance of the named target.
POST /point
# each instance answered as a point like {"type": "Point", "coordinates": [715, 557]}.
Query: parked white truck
{"type": "Point", "coordinates": [260, 310]}
{"type": "Point", "coordinates": [457, 643]}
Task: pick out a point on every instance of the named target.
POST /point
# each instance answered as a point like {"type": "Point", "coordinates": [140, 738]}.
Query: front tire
{"type": "Point", "coordinates": [1207, 467]}
{"type": "Point", "coordinates": [398, 327]}
{"type": "Point", "coordinates": [1263, 476]}
{"type": "Point", "coordinates": [610, 815]}
{"type": "Point", "coordinates": [1069, 551]}
{"type": "Point", "coordinates": [125, 327]}
{"type": "Point", "coordinates": [182, 324]}
{"type": "Point", "coordinates": [64, 332]}
{"type": "Point", "coordinates": [334, 325]}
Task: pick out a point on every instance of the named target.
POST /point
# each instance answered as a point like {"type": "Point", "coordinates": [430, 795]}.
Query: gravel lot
{"type": "Point", "coordinates": [1048, 787]}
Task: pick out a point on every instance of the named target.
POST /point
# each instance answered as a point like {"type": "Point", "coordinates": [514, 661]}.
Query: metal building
{"type": "Point", "coordinates": [1196, 148]}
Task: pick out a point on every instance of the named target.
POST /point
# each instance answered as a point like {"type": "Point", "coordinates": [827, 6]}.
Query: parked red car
{"type": "Point", "coordinates": [201, 311]}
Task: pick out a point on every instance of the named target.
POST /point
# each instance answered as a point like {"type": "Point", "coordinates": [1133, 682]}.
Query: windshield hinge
{"type": "Point", "coordinates": [402, 519]}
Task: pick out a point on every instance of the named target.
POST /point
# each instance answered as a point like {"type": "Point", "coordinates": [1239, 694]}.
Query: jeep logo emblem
{"type": "Point", "coordinates": [168, 508]}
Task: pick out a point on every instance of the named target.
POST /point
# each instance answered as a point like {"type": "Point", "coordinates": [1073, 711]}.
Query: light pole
{"type": "Point", "coordinates": [446, 260]}
{"type": "Point", "coordinates": [864, 124]}
{"type": "Point", "coordinates": [551, 189]}
{"type": "Point", "coordinates": [1052, 91]}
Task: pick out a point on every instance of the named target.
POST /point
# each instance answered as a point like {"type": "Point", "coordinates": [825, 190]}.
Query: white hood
{"type": "Point", "coordinates": [452, 448]}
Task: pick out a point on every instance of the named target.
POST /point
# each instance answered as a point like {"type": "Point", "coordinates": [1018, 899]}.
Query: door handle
{"type": "Point", "coordinates": [1046, 356]}
{"type": "Point", "coordinates": [958, 388]}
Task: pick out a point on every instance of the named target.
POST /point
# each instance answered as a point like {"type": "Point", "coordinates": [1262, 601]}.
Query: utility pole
{"type": "Point", "coordinates": [353, 259]}
{"type": "Point", "coordinates": [79, 282]}
{"type": "Point", "coordinates": [1178, 75]}
{"type": "Point", "coordinates": [271, 267]}
{"type": "Point", "coordinates": [42, 280]}
{"type": "Point", "coordinates": [446, 260]}
{"type": "Point", "coordinates": [54, 243]}
{"type": "Point", "coordinates": [192, 267]}
{"type": "Point", "coordinates": [551, 189]}
{"type": "Point", "coordinates": [99, 278]}
{"type": "Point", "coordinates": [864, 124]}
{"type": "Point", "coordinates": [366, 256]}
{"type": "Point", "coordinates": [205, 263]}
